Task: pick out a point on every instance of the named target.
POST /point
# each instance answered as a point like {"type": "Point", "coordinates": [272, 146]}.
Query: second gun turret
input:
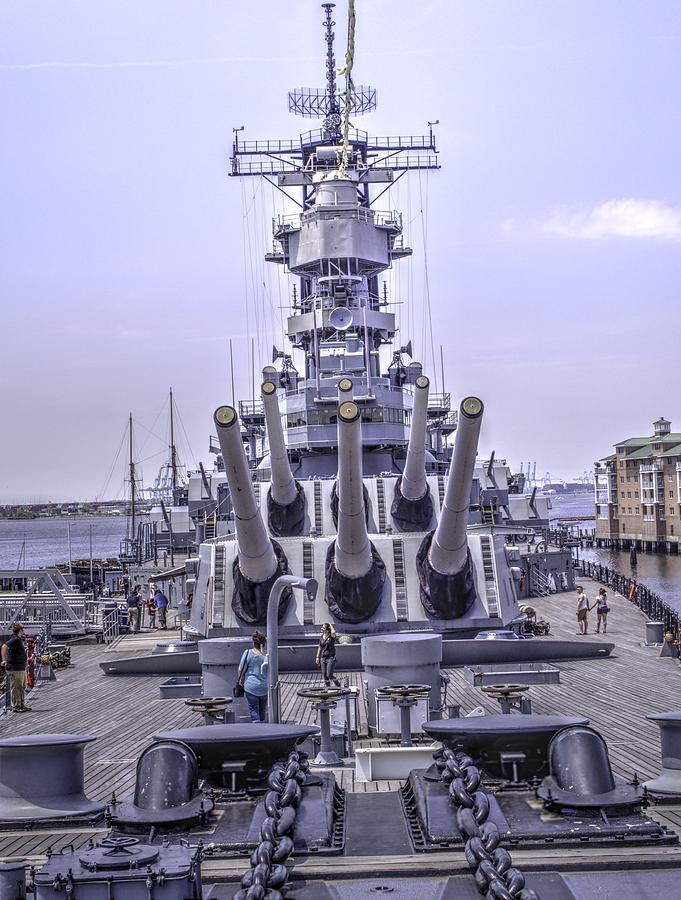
{"type": "Point", "coordinates": [412, 506]}
{"type": "Point", "coordinates": [355, 572]}
{"type": "Point", "coordinates": [259, 560]}
{"type": "Point", "coordinates": [443, 560]}
{"type": "Point", "coordinates": [286, 498]}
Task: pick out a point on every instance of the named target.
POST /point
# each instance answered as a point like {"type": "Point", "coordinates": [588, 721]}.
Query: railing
{"type": "Point", "coordinates": [110, 624]}
{"type": "Point", "coordinates": [656, 466]}
{"type": "Point", "coordinates": [384, 218]}
{"type": "Point", "coordinates": [648, 602]}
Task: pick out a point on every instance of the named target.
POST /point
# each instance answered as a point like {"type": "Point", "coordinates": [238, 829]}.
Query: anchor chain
{"type": "Point", "coordinates": [268, 875]}
{"type": "Point", "coordinates": [495, 875]}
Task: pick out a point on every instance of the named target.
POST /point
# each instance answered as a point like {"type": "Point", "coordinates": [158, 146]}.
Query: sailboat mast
{"type": "Point", "coordinates": [132, 483]}
{"type": "Point", "coordinates": [173, 451]}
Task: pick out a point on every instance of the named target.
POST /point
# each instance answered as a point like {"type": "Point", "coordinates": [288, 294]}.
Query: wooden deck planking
{"type": "Point", "coordinates": [123, 713]}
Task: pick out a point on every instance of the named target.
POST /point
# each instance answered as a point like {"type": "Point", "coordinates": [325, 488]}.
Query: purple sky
{"type": "Point", "coordinates": [126, 261]}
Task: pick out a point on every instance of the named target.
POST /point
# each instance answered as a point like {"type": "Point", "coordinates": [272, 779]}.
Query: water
{"type": "Point", "coordinates": [659, 572]}
{"type": "Point", "coordinates": [46, 542]}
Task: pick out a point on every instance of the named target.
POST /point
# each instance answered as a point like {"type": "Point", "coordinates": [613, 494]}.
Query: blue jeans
{"type": "Point", "coordinates": [257, 707]}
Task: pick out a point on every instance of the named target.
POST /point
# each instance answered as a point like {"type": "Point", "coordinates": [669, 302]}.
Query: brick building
{"type": "Point", "coordinates": [638, 492]}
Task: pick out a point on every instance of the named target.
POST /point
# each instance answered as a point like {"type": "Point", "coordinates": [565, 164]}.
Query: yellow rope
{"type": "Point", "coordinates": [349, 90]}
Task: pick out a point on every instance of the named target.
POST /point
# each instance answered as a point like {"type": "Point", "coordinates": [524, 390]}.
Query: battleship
{"type": "Point", "coordinates": [463, 753]}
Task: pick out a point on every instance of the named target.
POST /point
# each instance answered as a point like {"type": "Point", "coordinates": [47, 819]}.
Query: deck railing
{"type": "Point", "coordinates": [646, 600]}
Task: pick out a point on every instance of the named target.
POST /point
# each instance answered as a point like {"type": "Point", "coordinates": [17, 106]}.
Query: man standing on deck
{"type": "Point", "coordinates": [134, 610]}
{"type": "Point", "coordinates": [162, 607]}
{"type": "Point", "coordinates": [582, 611]}
{"type": "Point", "coordinates": [14, 660]}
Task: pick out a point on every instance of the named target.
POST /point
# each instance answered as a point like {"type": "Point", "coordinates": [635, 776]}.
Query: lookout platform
{"type": "Point", "coordinates": [615, 694]}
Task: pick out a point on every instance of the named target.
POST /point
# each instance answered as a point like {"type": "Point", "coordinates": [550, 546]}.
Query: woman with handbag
{"type": "Point", "coordinates": [252, 678]}
{"type": "Point", "coordinates": [602, 610]}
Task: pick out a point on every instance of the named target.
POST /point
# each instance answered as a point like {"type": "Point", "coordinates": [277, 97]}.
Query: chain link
{"type": "Point", "coordinates": [495, 875]}
{"type": "Point", "coordinates": [268, 874]}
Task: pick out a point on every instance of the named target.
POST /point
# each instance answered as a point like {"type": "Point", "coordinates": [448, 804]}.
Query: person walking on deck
{"type": "Point", "coordinates": [602, 610]}
{"type": "Point", "coordinates": [326, 654]}
{"type": "Point", "coordinates": [253, 676]}
{"type": "Point", "coordinates": [134, 610]}
{"type": "Point", "coordinates": [162, 607]}
{"type": "Point", "coordinates": [582, 611]}
{"type": "Point", "coordinates": [14, 658]}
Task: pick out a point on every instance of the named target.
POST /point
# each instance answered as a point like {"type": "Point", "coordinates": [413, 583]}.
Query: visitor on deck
{"type": "Point", "coordinates": [162, 606]}
{"type": "Point", "coordinates": [582, 611]}
{"type": "Point", "coordinates": [326, 654]}
{"type": "Point", "coordinates": [14, 659]}
{"type": "Point", "coordinates": [151, 609]}
{"type": "Point", "coordinates": [602, 610]}
{"type": "Point", "coordinates": [134, 610]}
{"type": "Point", "coordinates": [253, 677]}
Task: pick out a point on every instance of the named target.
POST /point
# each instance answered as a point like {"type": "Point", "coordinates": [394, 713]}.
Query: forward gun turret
{"type": "Point", "coordinates": [355, 573]}
{"type": "Point", "coordinates": [286, 499]}
{"type": "Point", "coordinates": [259, 560]}
{"type": "Point", "coordinates": [445, 574]}
{"type": "Point", "coordinates": [412, 507]}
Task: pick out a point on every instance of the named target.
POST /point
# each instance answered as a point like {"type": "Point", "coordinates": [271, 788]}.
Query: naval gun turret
{"type": "Point", "coordinates": [285, 499]}
{"type": "Point", "coordinates": [259, 560]}
{"type": "Point", "coordinates": [443, 560]}
{"type": "Point", "coordinates": [412, 507]}
{"type": "Point", "coordinates": [355, 572]}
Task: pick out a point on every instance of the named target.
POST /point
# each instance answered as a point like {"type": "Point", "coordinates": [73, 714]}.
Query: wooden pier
{"type": "Point", "coordinates": [123, 713]}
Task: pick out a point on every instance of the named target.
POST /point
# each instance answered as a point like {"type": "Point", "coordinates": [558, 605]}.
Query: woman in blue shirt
{"type": "Point", "coordinates": [253, 676]}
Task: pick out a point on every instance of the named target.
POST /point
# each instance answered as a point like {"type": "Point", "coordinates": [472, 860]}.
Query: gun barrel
{"type": "Point", "coordinates": [413, 484]}
{"type": "Point", "coordinates": [449, 547]}
{"type": "Point", "coordinates": [352, 549]}
{"type": "Point", "coordinates": [283, 483]}
{"type": "Point", "coordinates": [257, 559]}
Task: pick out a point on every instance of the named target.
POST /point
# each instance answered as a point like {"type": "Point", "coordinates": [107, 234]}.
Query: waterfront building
{"type": "Point", "coordinates": [638, 492]}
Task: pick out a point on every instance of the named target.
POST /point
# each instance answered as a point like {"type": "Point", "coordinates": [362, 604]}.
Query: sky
{"type": "Point", "coordinates": [548, 245]}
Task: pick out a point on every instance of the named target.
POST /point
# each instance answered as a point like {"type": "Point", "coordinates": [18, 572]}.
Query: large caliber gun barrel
{"type": "Point", "coordinates": [283, 485]}
{"type": "Point", "coordinates": [414, 484]}
{"type": "Point", "coordinates": [449, 547]}
{"type": "Point", "coordinates": [257, 559]}
{"type": "Point", "coordinates": [353, 551]}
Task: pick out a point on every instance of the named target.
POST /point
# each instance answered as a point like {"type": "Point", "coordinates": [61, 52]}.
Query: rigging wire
{"type": "Point", "coordinates": [186, 437]}
{"type": "Point", "coordinates": [114, 463]}
{"type": "Point", "coordinates": [428, 315]}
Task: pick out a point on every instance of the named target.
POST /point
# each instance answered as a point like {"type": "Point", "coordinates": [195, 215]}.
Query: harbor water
{"type": "Point", "coordinates": [660, 572]}
{"type": "Point", "coordinates": [32, 543]}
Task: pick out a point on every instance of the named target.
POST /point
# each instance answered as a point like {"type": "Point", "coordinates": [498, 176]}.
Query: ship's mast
{"type": "Point", "coordinates": [131, 463]}
{"type": "Point", "coordinates": [338, 247]}
{"type": "Point", "coordinates": [173, 449]}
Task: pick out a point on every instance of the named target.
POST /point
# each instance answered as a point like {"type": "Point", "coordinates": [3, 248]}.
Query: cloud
{"type": "Point", "coordinates": [627, 218]}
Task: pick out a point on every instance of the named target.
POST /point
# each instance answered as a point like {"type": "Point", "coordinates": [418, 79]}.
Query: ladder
{"type": "Point", "coordinates": [209, 527]}
{"type": "Point", "coordinates": [491, 594]}
{"type": "Point", "coordinates": [218, 612]}
{"type": "Point", "coordinates": [441, 489]}
{"type": "Point", "coordinates": [308, 572]}
{"type": "Point", "coordinates": [401, 605]}
{"type": "Point", "coordinates": [256, 489]}
{"type": "Point", "coordinates": [318, 518]}
{"type": "Point", "coordinates": [488, 515]}
{"type": "Point", "coordinates": [380, 494]}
